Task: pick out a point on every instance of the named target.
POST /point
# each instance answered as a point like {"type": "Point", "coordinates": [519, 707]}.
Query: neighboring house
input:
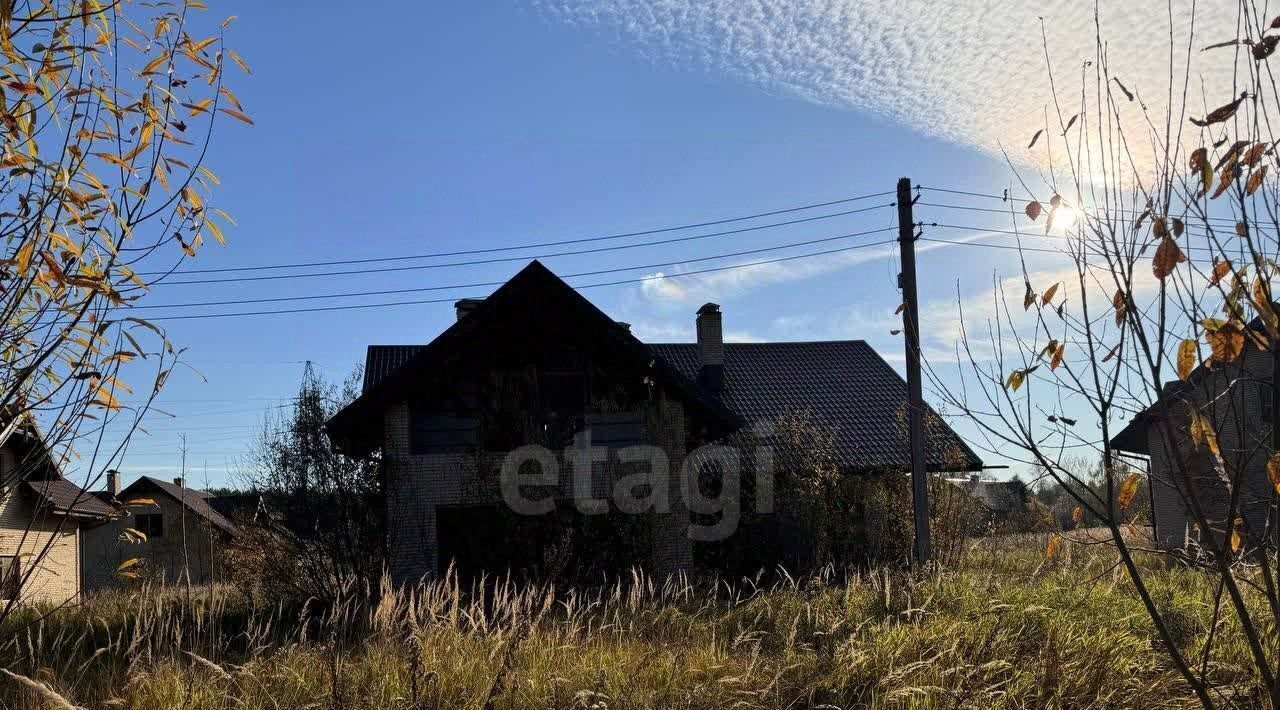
{"type": "Point", "coordinates": [1236, 398]}
{"type": "Point", "coordinates": [183, 530]}
{"type": "Point", "coordinates": [536, 363]}
{"type": "Point", "coordinates": [42, 520]}
{"type": "Point", "coordinates": [1003, 500]}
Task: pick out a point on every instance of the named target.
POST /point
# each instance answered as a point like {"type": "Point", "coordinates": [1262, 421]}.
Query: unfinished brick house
{"type": "Point", "coordinates": [537, 363]}
{"type": "Point", "coordinates": [1236, 398]}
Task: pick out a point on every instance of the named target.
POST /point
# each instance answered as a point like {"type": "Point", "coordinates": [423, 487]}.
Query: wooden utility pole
{"type": "Point", "coordinates": [915, 401]}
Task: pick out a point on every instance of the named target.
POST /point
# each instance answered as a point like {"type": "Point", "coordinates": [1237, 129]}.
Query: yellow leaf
{"type": "Point", "coordinates": [237, 115]}
{"type": "Point", "coordinates": [244, 67]}
{"type": "Point", "coordinates": [24, 257]}
{"type": "Point", "coordinates": [1225, 339]}
{"type": "Point", "coordinates": [217, 233]}
{"type": "Point", "coordinates": [154, 64]}
{"type": "Point", "coordinates": [1048, 295]}
{"type": "Point", "coordinates": [62, 242]}
{"type": "Point", "coordinates": [1255, 180]}
{"type": "Point", "coordinates": [1015, 380]}
{"type": "Point", "coordinates": [1273, 471]}
{"type": "Point", "coordinates": [1057, 356]}
{"type": "Point", "coordinates": [129, 563]}
{"type": "Point", "coordinates": [199, 107]}
{"type": "Point", "coordinates": [1186, 358]}
{"type": "Point", "coordinates": [1220, 271]}
{"type": "Point", "coordinates": [199, 46]}
{"type": "Point", "coordinates": [114, 160]}
{"type": "Point", "coordinates": [1129, 490]}
{"type": "Point", "coordinates": [1052, 548]}
{"type": "Point", "coordinates": [1202, 430]}
{"type": "Point", "coordinates": [105, 399]}
{"type": "Point", "coordinates": [1077, 515]}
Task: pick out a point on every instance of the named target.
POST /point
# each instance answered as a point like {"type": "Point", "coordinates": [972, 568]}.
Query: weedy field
{"type": "Point", "coordinates": [1005, 628]}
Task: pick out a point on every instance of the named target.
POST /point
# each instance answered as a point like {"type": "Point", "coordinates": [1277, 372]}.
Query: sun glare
{"type": "Point", "coordinates": [1064, 218]}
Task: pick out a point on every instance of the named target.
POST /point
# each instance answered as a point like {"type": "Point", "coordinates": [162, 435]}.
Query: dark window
{"type": "Point", "coordinates": [563, 392]}
{"type": "Point", "coordinates": [433, 433]}
{"type": "Point", "coordinates": [615, 430]}
{"type": "Point", "coordinates": [563, 399]}
{"type": "Point", "coordinates": [10, 577]}
{"type": "Point", "coordinates": [149, 524]}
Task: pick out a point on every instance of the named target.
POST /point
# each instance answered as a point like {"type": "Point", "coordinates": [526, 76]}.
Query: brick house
{"type": "Point", "coordinates": [537, 363]}
{"type": "Point", "coordinates": [1236, 398]}
{"type": "Point", "coordinates": [184, 530]}
{"type": "Point", "coordinates": [43, 518]}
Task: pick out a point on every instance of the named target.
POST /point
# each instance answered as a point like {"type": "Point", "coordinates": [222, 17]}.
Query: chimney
{"type": "Point", "coordinates": [180, 482]}
{"type": "Point", "coordinates": [711, 346]}
{"type": "Point", "coordinates": [625, 325]}
{"type": "Point", "coordinates": [113, 483]}
{"type": "Point", "coordinates": [975, 478]}
{"type": "Point", "coordinates": [466, 305]}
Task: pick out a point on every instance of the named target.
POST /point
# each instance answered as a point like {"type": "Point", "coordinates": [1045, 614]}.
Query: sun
{"type": "Point", "coordinates": [1064, 218]}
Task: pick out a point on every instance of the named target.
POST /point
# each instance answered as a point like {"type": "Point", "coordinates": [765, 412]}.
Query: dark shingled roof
{"type": "Point", "coordinates": [845, 384]}
{"type": "Point", "coordinates": [356, 427]}
{"type": "Point", "coordinates": [382, 360]}
{"type": "Point", "coordinates": [69, 499]}
{"type": "Point", "coordinates": [195, 501]}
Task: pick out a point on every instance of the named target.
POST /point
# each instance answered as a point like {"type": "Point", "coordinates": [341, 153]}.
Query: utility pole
{"type": "Point", "coordinates": [915, 402]}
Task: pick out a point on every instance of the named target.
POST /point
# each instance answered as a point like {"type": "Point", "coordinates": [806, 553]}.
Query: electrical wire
{"type": "Point", "coordinates": [1027, 235]}
{"type": "Point", "coordinates": [487, 284]}
{"type": "Point", "coordinates": [507, 259]}
{"type": "Point", "coordinates": [584, 286]}
{"type": "Point", "coordinates": [535, 245]}
{"type": "Point", "coordinates": [1004, 198]}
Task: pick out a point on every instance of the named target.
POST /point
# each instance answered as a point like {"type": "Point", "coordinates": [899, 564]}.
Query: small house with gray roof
{"type": "Point", "coordinates": [176, 532]}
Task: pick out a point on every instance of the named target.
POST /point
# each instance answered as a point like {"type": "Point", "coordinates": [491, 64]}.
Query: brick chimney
{"type": "Point", "coordinates": [466, 305]}
{"type": "Point", "coordinates": [711, 346]}
{"type": "Point", "coordinates": [113, 483]}
{"type": "Point", "coordinates": [180, 482]}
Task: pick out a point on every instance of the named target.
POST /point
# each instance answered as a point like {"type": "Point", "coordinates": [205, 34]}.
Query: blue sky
{"type": "Point", "coordinates": [402, 128]}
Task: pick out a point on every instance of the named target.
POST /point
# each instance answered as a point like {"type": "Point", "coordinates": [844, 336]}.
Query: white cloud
{"type": "Point", "coordinates": [673, 287]}
{"type": "Point", "coordinates": [749, 275]}
{"type": "Point", "coordinates": [970, 71]}
{"type": "Point", "coordinates": [683, 332]}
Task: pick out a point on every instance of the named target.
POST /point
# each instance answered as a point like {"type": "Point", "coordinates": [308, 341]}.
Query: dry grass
{"type": "Point", "coordinates": [1004, 629]}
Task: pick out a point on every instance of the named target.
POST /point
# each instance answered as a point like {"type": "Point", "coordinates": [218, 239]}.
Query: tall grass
{"type": "Point", "coordinates": [1005, 629]}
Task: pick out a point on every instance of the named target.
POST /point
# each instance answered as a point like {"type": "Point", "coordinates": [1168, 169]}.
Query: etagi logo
{"type": "Point", "coordinates": [647, 487]}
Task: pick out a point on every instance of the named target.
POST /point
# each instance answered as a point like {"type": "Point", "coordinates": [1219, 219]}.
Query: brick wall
{"type": "Point", "coordinates": [169, 558]}
{"type": "Point", "coordinates": [417, 485]}
{"type": "Point", "coordinates": [50, 542]}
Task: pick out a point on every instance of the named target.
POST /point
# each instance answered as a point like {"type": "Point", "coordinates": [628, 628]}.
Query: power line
{"type": "Point", "coordinates": [561, 242]}
{"type": "Point", "coordinates": [486, 284]}
{"type": "Point", "coordinates": [507, 259]}
{"type": "Point", "coordinates": [594, 285]}
{"type": "Point", "coordinates": [970, 228]}
{"type": "Point", "coordinates": [1004, 198]}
